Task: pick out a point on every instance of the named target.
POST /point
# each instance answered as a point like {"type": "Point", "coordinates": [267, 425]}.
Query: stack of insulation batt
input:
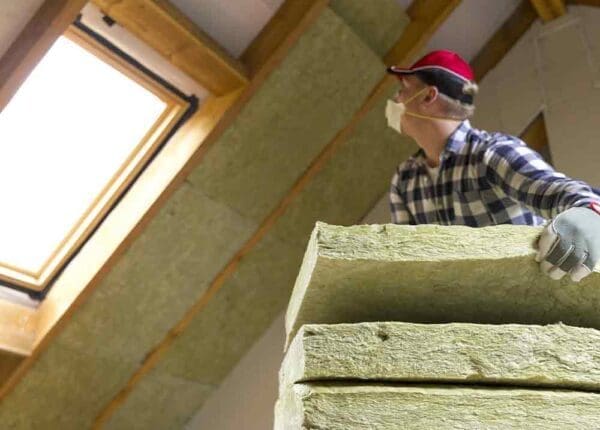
{"type": "Point", "coordinates": [431, 327]}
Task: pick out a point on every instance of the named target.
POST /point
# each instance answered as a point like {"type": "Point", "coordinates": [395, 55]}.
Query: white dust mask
{"type": "Point", "coordinates": [394, 112]}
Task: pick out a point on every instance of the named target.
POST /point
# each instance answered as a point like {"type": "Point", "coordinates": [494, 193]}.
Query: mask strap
{"type": "Point", "coordinates": [417, 115]}
{"type": "Point", "coordinates": [417, 94]}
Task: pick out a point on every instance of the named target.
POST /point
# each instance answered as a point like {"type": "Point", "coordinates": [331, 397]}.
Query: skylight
{"type": "Point", "coordinates": [72, 128]}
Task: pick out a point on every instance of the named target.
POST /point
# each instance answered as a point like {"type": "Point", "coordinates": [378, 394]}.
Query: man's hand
{"type": "Point", "coordinates": [571, 244]}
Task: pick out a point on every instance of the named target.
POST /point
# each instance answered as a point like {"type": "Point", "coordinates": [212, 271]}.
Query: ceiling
{"type": "Point", "coordinates": [235, 24]}
{"type": "Point", "coordinates": [13, 18]}
{"type": "Point", "coordinates": [163, 277]}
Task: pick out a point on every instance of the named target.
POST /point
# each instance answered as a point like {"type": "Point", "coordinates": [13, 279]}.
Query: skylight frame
{"type": "Point", "coordinates": [175, 109]}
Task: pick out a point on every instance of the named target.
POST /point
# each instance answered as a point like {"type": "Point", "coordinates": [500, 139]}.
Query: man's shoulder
{"type": "Point", "coordinates": [494, 138]}
{"type": "Point", "coordinates": [483, 142]}
{"type": "Point", "coordinates": [496, 149]}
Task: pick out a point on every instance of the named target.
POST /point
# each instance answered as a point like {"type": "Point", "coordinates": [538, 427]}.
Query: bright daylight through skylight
{"type": "Point", "coordinates": [67, 131]}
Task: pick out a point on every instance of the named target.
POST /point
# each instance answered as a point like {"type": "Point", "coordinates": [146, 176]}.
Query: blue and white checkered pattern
{"type": "Point", "coordinates": [484, 179]}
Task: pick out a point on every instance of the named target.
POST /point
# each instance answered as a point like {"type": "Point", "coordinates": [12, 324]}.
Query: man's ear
{"type": "Point", "coordinates": [431, 96]}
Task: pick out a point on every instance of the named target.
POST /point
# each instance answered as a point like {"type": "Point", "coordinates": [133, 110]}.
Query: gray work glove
{"type": "Point", "coordinates": [570, 243]}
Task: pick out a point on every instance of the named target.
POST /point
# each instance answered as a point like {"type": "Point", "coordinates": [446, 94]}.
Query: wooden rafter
{"type": "Point", "coordinates": [496, 48]}
{"type": "Point", "coordinates": [8, 363]}
{"type": "Point", "coordinates": [503, 39]}
{"type": "Point", "coordinates": [163, 27]}
{"type": "Point", "coordinates": [425, 18]}
{"type": "Point", "coordinates": [548, 10]}
{"type": "Point", "coordinates": [273, 34]}
{"type": "Point", "coordinates": [535, 134]}
{"type": "Point", "coordinates": [595, 3]}
{"type": "Point", "coordinates": [49, 22]}
{"type": "Point", "coordinates": [17, 328]}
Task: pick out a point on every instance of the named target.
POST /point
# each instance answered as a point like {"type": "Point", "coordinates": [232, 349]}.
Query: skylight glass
{"type": "Point", "coordinates": [70, 128]}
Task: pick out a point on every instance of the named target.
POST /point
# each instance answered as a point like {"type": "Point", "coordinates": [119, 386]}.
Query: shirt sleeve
{"type": "Point", "coordinates": [399, 212]}
{"type": "Point", "coordinates": [515, 170]}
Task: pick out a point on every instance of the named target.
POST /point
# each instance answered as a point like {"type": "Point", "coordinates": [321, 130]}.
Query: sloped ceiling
{"type": "Point", "coordinates": [233, 24]}
{"type": "Point", "coordinates": [13, 18]}
{"type": "Point", "coordinates": [300, 108]}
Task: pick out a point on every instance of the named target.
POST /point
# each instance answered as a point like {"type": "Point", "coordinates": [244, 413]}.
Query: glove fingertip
{"type": "Point", "coordinates": [579, 273]}
{"type": "Point", "coordinates": [557, 274]}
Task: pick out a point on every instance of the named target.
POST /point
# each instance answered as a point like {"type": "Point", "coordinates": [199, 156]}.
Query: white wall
{"type": "Point", "coordinates": [553, 69]}
{"type": "Point", "coordinates": [246, 398]}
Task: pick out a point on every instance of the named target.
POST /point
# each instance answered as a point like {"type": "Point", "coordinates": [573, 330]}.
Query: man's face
{"type": "Point", "coordinates": [409, 87]}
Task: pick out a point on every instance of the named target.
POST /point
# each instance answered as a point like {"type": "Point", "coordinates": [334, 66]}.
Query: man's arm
{"type": "Point", "coordinates": [571, 241]}
{"type": "Point", "coordinates": [518, 172]}
{"type": "Point", "coordinates": [399, 212]}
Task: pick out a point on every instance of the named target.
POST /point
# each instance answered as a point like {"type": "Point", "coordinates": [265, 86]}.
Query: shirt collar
{"type": "Point", "coordinates": [458, 138]}
{"type": "Point", "coordinates": [456, 141]}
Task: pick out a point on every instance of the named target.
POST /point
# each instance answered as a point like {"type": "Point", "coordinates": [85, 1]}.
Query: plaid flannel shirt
{"type": "Point", "coordinates": [483, 179]}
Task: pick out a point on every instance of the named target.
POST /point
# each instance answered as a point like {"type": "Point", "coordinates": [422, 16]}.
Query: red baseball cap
{"type": "Point", "coordinates": [445, 70]}
{"type": "Point", "coordinates": [447, 61]}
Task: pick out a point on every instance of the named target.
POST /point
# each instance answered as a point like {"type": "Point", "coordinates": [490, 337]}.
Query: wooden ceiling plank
{"type": "Point", "coordinates": [425, 18]}
{"type": "Point", "coordinates": [535, 134]}
{"type": "Point", "coordinates": [163, 27]}
{"type": "Point", "coordinates": [548, 10]}
{"type": "Point", "coordinates": [275, 32]}
{"type": "Point", "coordinates": [17, 328]}
{"type": "Point", "coordinates": [494, 51]}
{"type": "Point", "coordinates": [8, 363]}
{"type": "Point", "coordinates": [594, 3]}
{"type": "Point", "coordinates": [48, 23]}
{"type": "Point", "coordinates": [503, 39]}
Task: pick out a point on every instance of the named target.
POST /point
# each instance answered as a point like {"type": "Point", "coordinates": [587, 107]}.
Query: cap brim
{"type": "Point", "coordinates": [395, 70]}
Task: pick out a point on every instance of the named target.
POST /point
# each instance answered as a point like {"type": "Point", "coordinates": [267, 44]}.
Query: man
{"type": "Point", "coordinates": [465, 176]}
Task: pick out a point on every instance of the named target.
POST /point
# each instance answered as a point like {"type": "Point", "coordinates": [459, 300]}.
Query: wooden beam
{"type": "Point", "coordinates": [496, 48]}
{"type": "Point", "coordinates": [429, 18]}
{"type": "Point", "coordinates": [17, 328]}
{"type": "Point", "coordinates": [594, 3]}
{"type": "Point", "coordinates": [535, 135]}
{"type": "Point", "coordinates": [8, 364]}
{"type": "Point", "coordinates": [503, 39]}
{"type": "Point", "coordinates": [275, 33]}
{"type": "Point", "coordinates": [163, 27]}
{"type": "Point", "coordinates": [548, 10]}
{"type": "Point", "coordinates": [425, 18]}
{"type": "Point", "coordinates": [508, 34]}
{"type": "Point", "coordinates": [49, 22]}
